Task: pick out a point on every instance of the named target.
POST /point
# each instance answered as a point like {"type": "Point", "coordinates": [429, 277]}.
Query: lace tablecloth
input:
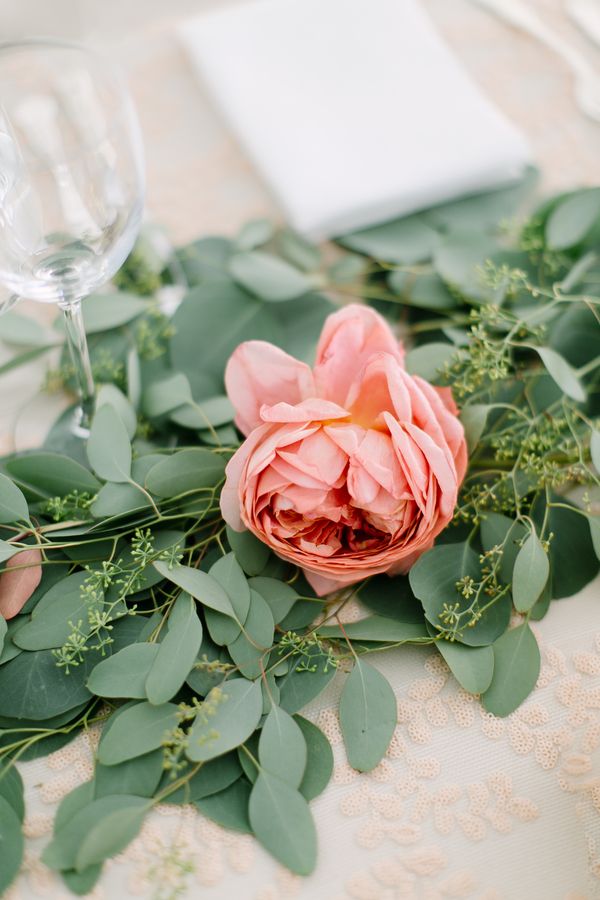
{"type": "Point", "coordinates": [464, 805]}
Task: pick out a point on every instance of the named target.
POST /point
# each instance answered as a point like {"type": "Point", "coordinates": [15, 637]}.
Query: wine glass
{"type": "Point", "coordinates": [71, 184]}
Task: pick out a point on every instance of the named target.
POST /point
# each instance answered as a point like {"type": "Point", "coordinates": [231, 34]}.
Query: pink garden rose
{"type": "Point", "coordinates": [349, 469]}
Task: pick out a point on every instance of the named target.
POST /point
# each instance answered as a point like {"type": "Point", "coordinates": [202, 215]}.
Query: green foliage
{"type": "Point", "coordinates": [530, 573]}
{"type": "Point", "coordinates": [125, 673]}
{"type": "Point", "coordinates": [319, 764]}
{"type": "Point", "coordinates": [282, 749]}
{"type": "Point", "coordinates": [184, 472]}
{"type": "Point", "coordinates": [282, 822]}
{"type": "Point", "coordinates": [367, 716]}
{"type": "Point", "coordinates": [11, 841]}
{"type": "Point", "coordinates": [472, 667]}
{"type": "Point", "coordinates": [225, 719]}
{"type": "Point", "coordinates": [516, 669]}
{"type": "Point", "coordinates": [13, 506]}
{"type": "Point", "coordinates": [267, 276]}
{"type": "Point", "coordinates": [134, 731]}
{"type": "Point", "coordinates": [108, 447]}
{"type": "Point", "coordinates": [177, 652]}
{"type": "Point", "coordinates": [205, 644]}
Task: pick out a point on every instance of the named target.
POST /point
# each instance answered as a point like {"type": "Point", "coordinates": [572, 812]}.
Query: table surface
{"type": "Point", "coordinates": [464, 805]}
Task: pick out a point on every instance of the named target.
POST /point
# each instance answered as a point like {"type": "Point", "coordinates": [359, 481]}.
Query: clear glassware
{"type": "Point", "coordinates": [71, 183]}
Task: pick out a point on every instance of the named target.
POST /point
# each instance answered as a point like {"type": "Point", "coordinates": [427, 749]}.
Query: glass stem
{"type": "Point", "coordinates": [80, 357]}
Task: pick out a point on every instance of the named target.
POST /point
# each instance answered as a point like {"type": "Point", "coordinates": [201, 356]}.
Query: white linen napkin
{"type": "Point", "coordinates": [353, 111]}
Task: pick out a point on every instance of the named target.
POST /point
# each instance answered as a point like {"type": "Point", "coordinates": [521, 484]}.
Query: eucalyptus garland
{"type": "Point", "coordinates": [131, 607]}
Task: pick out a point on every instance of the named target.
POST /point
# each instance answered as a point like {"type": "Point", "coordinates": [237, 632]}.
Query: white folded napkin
{"type": "Point", "coordinates": [354, 111]}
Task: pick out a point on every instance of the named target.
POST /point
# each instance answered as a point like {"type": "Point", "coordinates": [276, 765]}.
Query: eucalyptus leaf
{"type": "Point", "coordinates": [200, 335]}
{"type": "Point", "coordinates": [267, 276]}
{"type": "Point", "coordinates": [282, 822]}
{"type": "Point", "coordinates": [282, 749]}
{"type": "Point", "coordinates": [13, 506]}
{"type": "Point", "coordinates": [251, 553]}
{"type": "Point", "coordinates": [52, 473]}
{"type": "Point", "coordinates": [237, 711]}
{"type": "Point", "coordinates": [187, 470]}
{"type": "Point", "coordinates": [376, 628]}
{"type": "Point", "coordinates": [139, 776]}
{"type": "Point", "coordinates": [530, 573]}
{"type": "Point", "coordinates": [81, 883]}
{"type": "Point", "coordinates": [74, 834]}
{"type": "Point", "coordinates": [228, 572]}
{"type": "Point", "coordinates": [166, 394]}
{"type": "Point", "coordinates": [572, 558]}
{"type": "Point", "coordinates": [407, 240]}
{"type": "Point", "coordinates": [200, 585]}
{"type": "Point", "coordinates": [301, 324]}
{"type": "Point", "coordinates": [368, 716]}
{"type": "Point", "coordinates": [53, 618]}
{"type": "Point", "coordinates": [254, 233]}
{"type": "Point", "coordinates": [595, 449]}
{"type": "Point", "coordinates": [134, 378]}
{"type": "Point", "coordinates": [110, 395]}
{"type": "Point", "coordinates": [562, 373]}
{"type": "Point", "coordinates": [595, 533]}
{"type": "Point", "coordinates": [105, 311]}
{"type": "Point", "coordinates": [211, 778]}
{"type": "Point", "coordinates": [204, 258]}
{"type": "Point", "coordinates": [111, 832]}
{"type": "Point", "coordinates": [249, 649]}
{"type": "Point", "coordinates": [21, 330]}
{"type": "Point", "coordinates": [202, 680]}
{"type": "Point", "coordinates": [458, 260]}
{"type": "Point", "coordinates": [108, 447]}
{"type": "Point", "coordinates": [426, 291]}
{"type": "Point", "coordinates": [391, 598]}
{"type": "Point", "coordinates": [12, 844]}
{"type": "Point", "coordinates": [516, 669]}
{"type": "Point", "coordinates": [118, 499]}
{"type": "Point", "coordinates": [472, 667]}
{"type": "Point", "coordinates": [228, 807]}
{"type": "Point", "coordinates": [22, 359]}
{"type": "Point", "coordinates": [223, 629]}
{"type": "Point", "coordinates": [433, 579]}
{"type": "Point", "coordinates": [11, 788]}
{"type": "Point", "coordinates": [7, 551]}
{"type": "Point", "coordinates": [279, 595]}
{"type": "Point", "coordinates": [210, 413]}
{"type": "Point", "coordinates": [572, 219]}
{"type": "Point", "coordinates": [72, 803]}
{"type": "Point", "coordinates": [177, 652]}
{"type": "Point", "coordinates": [347, 269]}
{"type": "Point", "coordinates": [33, 687]}
{"type": "Point", "coordinates": [319, 765]}
{"type": "Point", "coordinates": [305, 679]}
{"type": "Point", "coordinates": [10, 650]}
{"type": "Point", "coordinates": [429, 360]}
{"type": "Point", "coordinates": [124, 673]}
{"type": "Point", "coordinates": [508, 534]}
{"type": "Point", "coordinates": [474, 418]}
{"type": "Point", "coordinates": [298, 250]}
{"type": "Point", "coordinates": [136, 730]}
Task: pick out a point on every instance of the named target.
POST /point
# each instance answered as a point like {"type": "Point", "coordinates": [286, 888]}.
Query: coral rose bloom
{"type": "Point", "coordinates": [349, 469]}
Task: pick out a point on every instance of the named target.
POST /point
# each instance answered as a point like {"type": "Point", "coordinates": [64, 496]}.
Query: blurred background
{"type": "Point", "coordinates": [198, 178]}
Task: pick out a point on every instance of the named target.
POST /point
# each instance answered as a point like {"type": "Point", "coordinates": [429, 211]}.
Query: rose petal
{"type": "Point", "coordinates": [348, 340]}
{"type": "Point", "coordinates": [379, 387]}
{"type": "Point", "coordinates": [259, 373]}
{"type": "Point", "coordinates": [313, 410]}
